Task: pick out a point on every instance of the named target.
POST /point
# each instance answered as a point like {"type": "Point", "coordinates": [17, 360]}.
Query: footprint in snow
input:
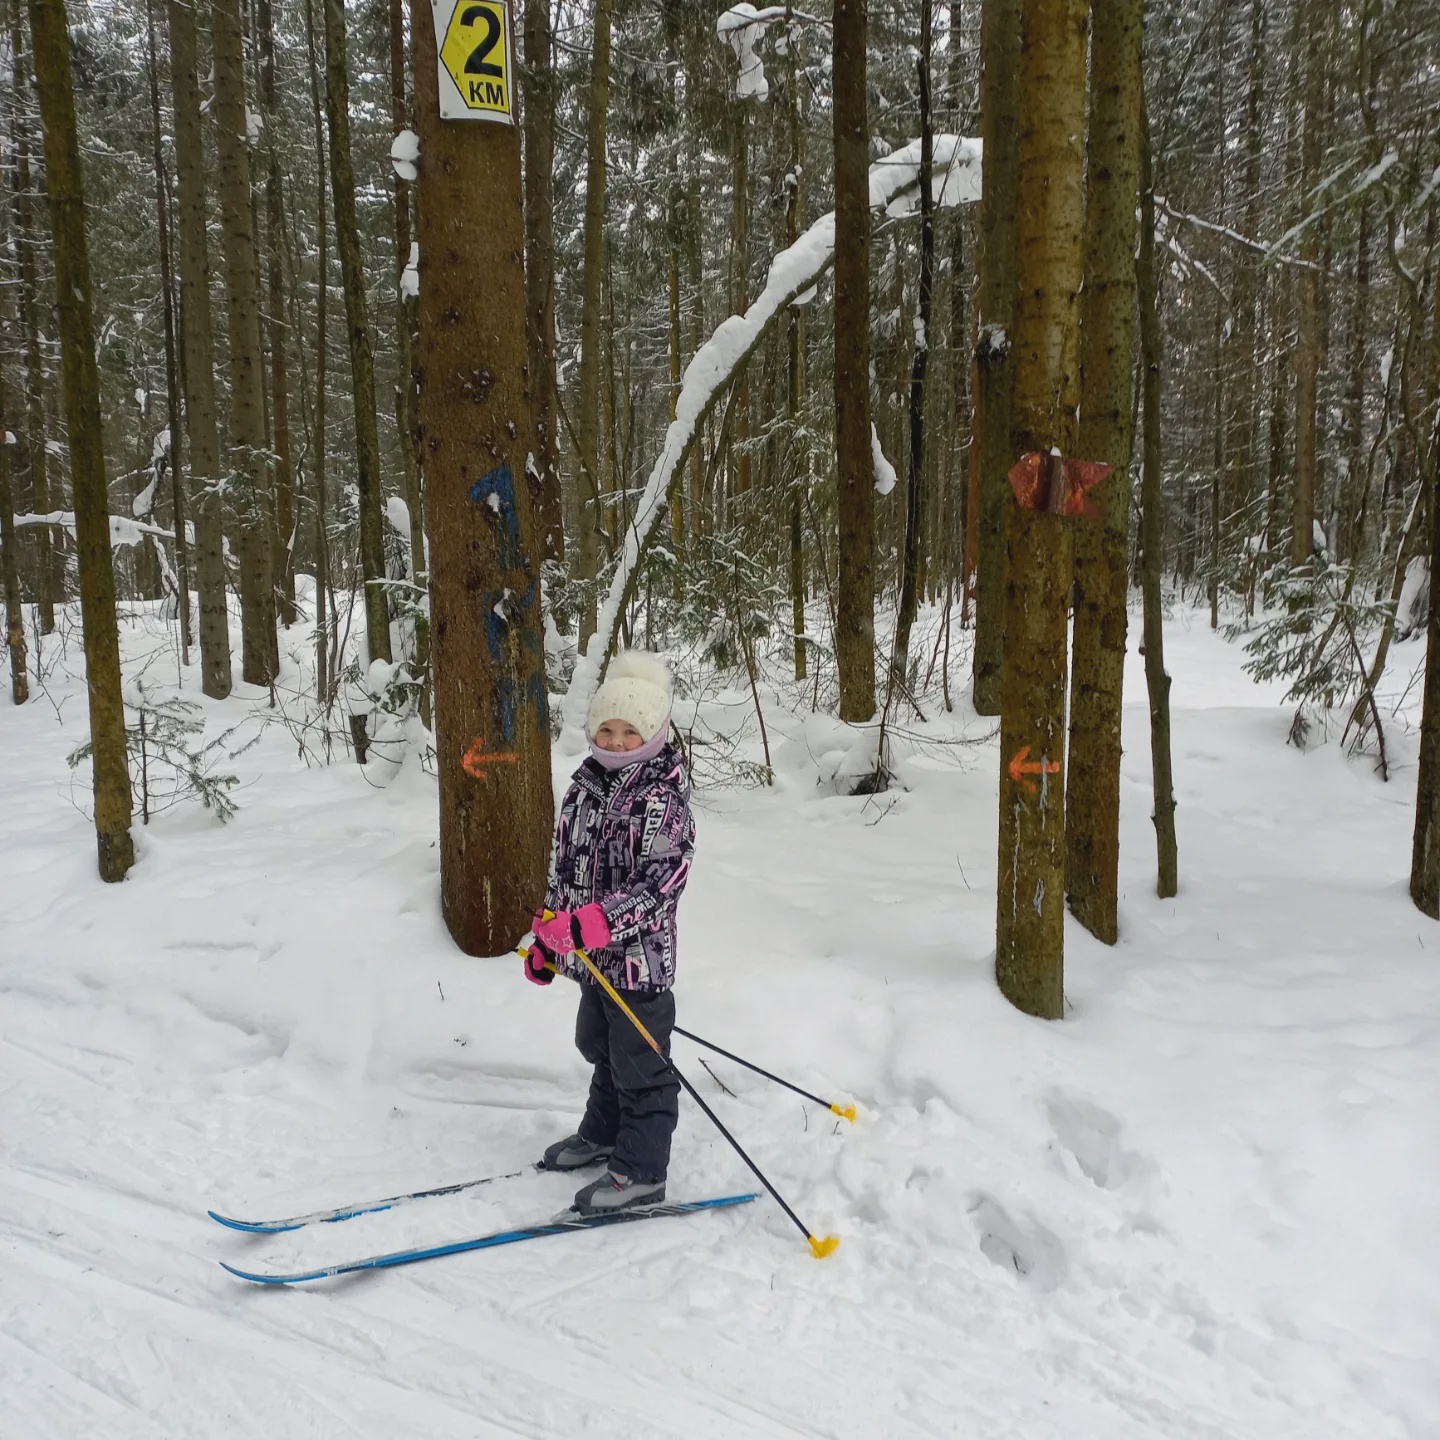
{"type": "Point", "coordinates": [1092, 1136]}
{"type": "Point", "coordinates": [1030, 1251]}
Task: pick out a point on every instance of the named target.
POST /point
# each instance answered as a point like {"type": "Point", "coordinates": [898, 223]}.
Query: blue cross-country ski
{"type": "Point", "coordinates": [564, 1225]}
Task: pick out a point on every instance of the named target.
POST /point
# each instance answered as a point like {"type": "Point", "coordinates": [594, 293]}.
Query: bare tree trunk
{"type": "Point", "coordinates": [172, 378]}
{"type": "Point", "coordinates": [1240, 430]}
{"type": "Point", "coordinates": [796, 450]}
{"type": "Point", "coordinates": [1308, 297]}
{"type": "Point", "coordinates": [914, 491]}
{"type": "Point", "coordinates": [540, 84]}
{"type": "Point", "coordinates": [990, 442]}
{"type": "Point", "coordinates": [276, 328]}
{"type": "Point", "coordinates": [672, 281]}
{"type": "Point", "coordinates": [1107, 330]}
{"type": "Point", "coordinates": [1425, 852]}
{"type": "Point", "coordinates": [740, 281]}
{"type": "Point", "coordinates": [324, 679]}
{"type": "Point", "coordinates": [1152, 532]}
{"type": "Point", "coordinates": [10, 563]}
{"type": "Point", "coordinates": [855, 467]}
{"type": "Point", "coordinates": [407, 309]}
{"type": "Point", "coordinates": [491, 717]}
{"type": "Point", "coordinates": [357, 321]}
{"type": "Point", "coordinates": [49, 565]}
{"type": "Point", "coordinates": [198, 362]}
{"type": "Point", "coordinates": [63, 183]}
{"type": "Point", "coordinates": [588, 426]}
{"type": "Point", "coordinates": [1030, 928]}
{"type": "Point", "coordinates": [259, 652]}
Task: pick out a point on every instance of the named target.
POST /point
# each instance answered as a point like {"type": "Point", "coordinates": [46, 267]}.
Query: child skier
{"type": "Point", "coordinates": [623, 844]}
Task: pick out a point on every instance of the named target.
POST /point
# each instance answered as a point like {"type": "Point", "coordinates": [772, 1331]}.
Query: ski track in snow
{"type": "Point", "coordinates": [1200, 1208]}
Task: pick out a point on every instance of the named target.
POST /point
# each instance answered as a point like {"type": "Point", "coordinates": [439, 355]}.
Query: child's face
{"type": "Point", "coordinates": [618, 735]}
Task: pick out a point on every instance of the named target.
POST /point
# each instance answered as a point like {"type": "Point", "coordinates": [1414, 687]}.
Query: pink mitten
{"type": "Point", "coordinates": [587, 928]}
{"type": "Point", "coordinates": [591, 927]}
{"type": "Point", "coordinates": [555, 933]}
{"type": "Point", "coordinates": [537, 962]}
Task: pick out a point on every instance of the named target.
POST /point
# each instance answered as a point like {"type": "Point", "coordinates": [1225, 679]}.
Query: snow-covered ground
{"type": "Point", "coordinates": [1202, 1206]}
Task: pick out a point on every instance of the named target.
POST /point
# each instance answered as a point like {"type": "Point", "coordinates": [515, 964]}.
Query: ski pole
{"type": "Point", "coordinates": [845, 1111]}
{"type": "Point", "coordinates": [819, 1248]}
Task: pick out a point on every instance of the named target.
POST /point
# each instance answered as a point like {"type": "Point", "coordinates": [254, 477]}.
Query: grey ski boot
{"type": "Point", "coordinates": [612, 1192]}
{"type": "Point", "coordinates": [574, 1153]}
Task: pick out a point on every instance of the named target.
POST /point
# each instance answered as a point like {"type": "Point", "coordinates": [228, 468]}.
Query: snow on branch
{"type": "Point", "coordinates": [122, 530]}
{"type": "Point", "coordinates": [742, 25]}
{"type": "Point", "coordinates": [894, 187]}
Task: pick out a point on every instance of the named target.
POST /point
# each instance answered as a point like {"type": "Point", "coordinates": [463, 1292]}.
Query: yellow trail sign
{"type": "Point", "coordinates": [475, 59]}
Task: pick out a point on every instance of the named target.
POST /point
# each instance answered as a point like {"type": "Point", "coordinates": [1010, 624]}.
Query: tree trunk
{"type": "Point", "coordinates": [357, 321]}
{"type": "Point", "coordinates": [1240, 432]}
{"type": "Point", "coordinates": [540, 86]}
{"type": "Point", "coordinates": [740, 282]}
{"type": "Point", "coordinates": [1107, 330]}
{"type": "Point", "coordinates": [197, 355]}
{"type": "Point", "coordinates": [49, 565]}
{"type": "Point", "coordinates": [491, 718]}
{"type": "Point", "coordinates": [587, 438]}
{"type": "Point", "coordinates": [407, 309]}
{"type": "Point", "coordinates": [324, 679]}
{"type": "Point", "coordinates": [915, 490]}
{"type": "Point", "coordinates": [1152, 532]}
{"type": "Point", "coordinates": [796, 450]}
{"type": "Point", "coordinates": [259, 650]}
{"type": "Point", "coordinates": [1425, 854]}
{"type": "Point", "coordinates": [1030, 929]}
{"type": "Point", "coordinates": [992, 455]}
{"type": "Point", "coordinates": [854, 460]}
{"type": "Point", "coordinates": [51, 38]}
{"type": "Point", "coordinates": [10, 564]}
{"type": "Point", "coordinates": [276, 327]}
{"type": "Point", "coordinates": [172, 377]}
{"type": "Point", "coordinates": [1308, 297]}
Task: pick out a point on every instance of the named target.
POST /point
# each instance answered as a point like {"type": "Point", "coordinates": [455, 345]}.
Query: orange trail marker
{"type": "Point", "coordinates": [474, 760]}
{"type": "Point", "coordinates": [1057, 485]}
{"type": "Point", "coordinates": [1021, 768]}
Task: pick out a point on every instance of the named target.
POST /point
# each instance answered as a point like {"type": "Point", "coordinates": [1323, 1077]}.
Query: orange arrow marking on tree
{"type": "Point", "coordinates": [1021, 769]}
{"type": "Point", "coordinates": [474, 760]}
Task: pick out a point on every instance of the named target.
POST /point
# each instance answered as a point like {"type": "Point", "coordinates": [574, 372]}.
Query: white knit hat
{"type": "Point", "coordinates": [638, 689]}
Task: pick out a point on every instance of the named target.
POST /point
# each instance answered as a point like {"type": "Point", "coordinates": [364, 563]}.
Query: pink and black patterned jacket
{"type": "Point", "coordinates": [625, 839]}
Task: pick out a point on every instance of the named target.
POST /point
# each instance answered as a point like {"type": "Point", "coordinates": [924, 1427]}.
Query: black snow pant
{"type": "Point", "coordinates": [634, 1099]}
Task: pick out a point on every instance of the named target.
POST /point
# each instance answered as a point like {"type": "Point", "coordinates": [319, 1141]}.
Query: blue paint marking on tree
{"type": "Point", "coordinates": [496, 492]}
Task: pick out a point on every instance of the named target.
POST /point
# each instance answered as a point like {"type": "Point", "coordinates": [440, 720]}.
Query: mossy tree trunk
{"type": "Point", "coordinates": [992, 455]}
{"type": "Point", "coordinates": [854, 461]}
{"type": "Point", "coordinates": [1030, 929]}
{"type": "Point", "coordinates": [50, 34]}
{"type": "Point", "coordinates": [1107, 352]}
